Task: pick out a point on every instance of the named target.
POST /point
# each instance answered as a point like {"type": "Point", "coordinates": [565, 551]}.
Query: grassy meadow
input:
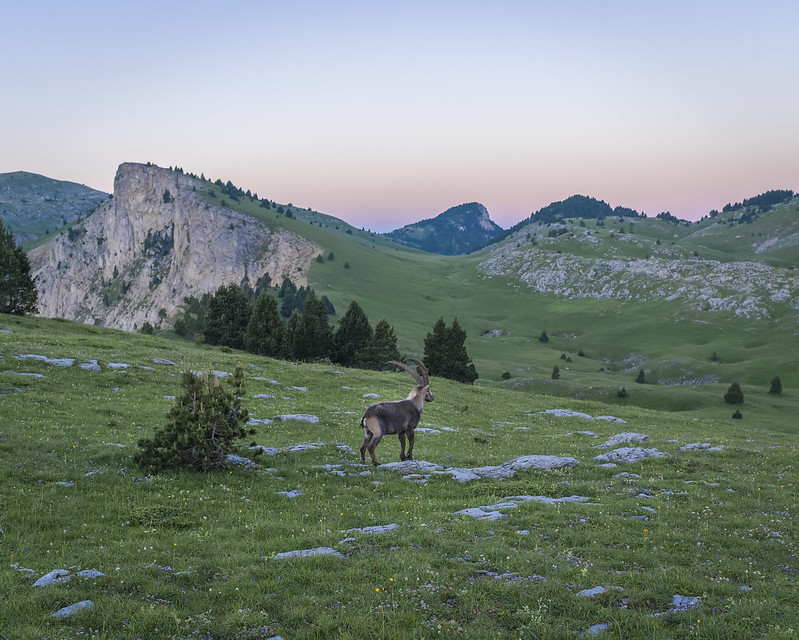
{"type": "Point", "coordinates": [190, 556]}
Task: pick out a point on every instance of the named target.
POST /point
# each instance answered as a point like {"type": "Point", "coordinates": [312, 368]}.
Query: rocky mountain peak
{"type": "Point", "coordinates": [161, 238]}
{"type": "Point", "coordinates": [457, 230]}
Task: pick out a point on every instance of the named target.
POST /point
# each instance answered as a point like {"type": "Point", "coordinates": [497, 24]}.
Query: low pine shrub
{"type": "Point", "coordinates": [202, 427]}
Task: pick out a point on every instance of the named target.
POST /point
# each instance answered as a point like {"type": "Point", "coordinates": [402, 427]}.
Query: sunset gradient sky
{"type": "Point", "coordinates": [385, 113]}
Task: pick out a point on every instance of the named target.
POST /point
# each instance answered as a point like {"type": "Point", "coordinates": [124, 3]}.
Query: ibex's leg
{"type": "Point", "coordinates": [371, 448]}
{"type": "Point", "coordinates": [402, 445]}
{"type": "Point", "coordinates": [410, 445]}
{"type": "Point", "coordinates": [367, 437]}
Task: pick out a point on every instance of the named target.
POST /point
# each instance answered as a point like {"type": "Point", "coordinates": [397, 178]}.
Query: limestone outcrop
{"type": "Point", "coordinates": [161, 238]}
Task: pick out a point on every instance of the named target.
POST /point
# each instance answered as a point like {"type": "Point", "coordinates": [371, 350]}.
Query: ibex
{"type": "Point", "coordinates": [400, 416]}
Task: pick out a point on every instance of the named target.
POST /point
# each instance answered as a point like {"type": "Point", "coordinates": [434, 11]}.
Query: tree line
{"type": "Point", "coordinates": [252, 320]}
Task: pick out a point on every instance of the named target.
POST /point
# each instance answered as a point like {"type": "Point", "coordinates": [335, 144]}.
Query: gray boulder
{"type": "Point", "coordinates": [629, 455]}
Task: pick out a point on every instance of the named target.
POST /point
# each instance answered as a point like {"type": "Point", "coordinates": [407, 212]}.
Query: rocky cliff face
{"type": "Point", "coordinates": [158, 240]}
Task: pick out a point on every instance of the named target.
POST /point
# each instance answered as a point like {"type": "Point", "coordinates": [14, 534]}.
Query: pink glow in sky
{"type": "Point", "coordinates": [384, 114]}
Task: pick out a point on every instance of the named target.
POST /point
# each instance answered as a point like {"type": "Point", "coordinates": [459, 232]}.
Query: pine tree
{"type": "Point", "coordinates": [265, 330]}
{"type": "Point", "coordinates": [435, 349]}
{"type": "Point", "coordinates": [641, 379]}
{"type": "Point", "coordinates": [776, 385]}
{"type": "Point", "coordinates": [313, 337]}
{"type": "Point", "coordinates": [445, 353]}
{"type": "Point", "coordinates": [734, 394]}
{"type": "Point", "coordinates": [543, 337]}
{"type": "Point", "coordinates": [202, 427]}
{"type": "Point", "coordinates": [352, 336]}
{"type": "Point", "coordinates": [381, 348]}
{"type": "Point", "coordinates": [18, 293]}
{"type": "Point", "coordinates": [556, 373]}
{"type": "Point", "coordinates": [227, 317]}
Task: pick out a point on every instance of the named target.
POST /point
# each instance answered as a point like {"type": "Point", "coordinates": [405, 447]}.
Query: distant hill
{"type": "Point", "coordinates": [577, 206]}
{"type": "Point", "coordinates": [32, 205]}
{"type": "Point", "coordinates": [458, 230]}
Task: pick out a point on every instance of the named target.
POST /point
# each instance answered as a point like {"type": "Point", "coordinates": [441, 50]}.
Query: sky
{"type": "Point", "coordinates": [386, 113]}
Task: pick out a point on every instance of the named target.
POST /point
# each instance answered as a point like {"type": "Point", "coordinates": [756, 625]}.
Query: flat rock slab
{"type": "Point", "coordinates": [623, 438]}
{"type": "Point", "coordinates": [498, 472]}
{"type": "Point", "coordinates": [380, 528]}
{"type": "Point", "coordinates": [494, 511]}
{"type": "Point", "coordinates": [56, 576]}
{"type": "Point", "coordinates": [411, 466]}
{"type": "Point", "coordinates": [240, 461]}
{"type": "Point", "coordinates": [294, 493]}
{"type": "Point", "coordinates": [596, 591]}
{"type": "Point", "coordinates": [299, 417]}
{"type": "Point", "coordinates": [164, 361]}
{"type": "Point", "coordinates": [566, 413]}
{"type": "Point", "coordinates": [706, 446]}
{"type": "Point", "coordinates": [72, 609]}
{"type": "Point", "coordinates": [630, 455]}
{"type": "Point", "coordinates": [304, 553]}
{"type": "Point", "coordinates": [59, 362]}
{"type": "Point", "coordinates": [512, 467]}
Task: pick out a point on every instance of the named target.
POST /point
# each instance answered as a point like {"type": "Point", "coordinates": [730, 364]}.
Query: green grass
{"type": "Point", "coordinates": [192, 556]}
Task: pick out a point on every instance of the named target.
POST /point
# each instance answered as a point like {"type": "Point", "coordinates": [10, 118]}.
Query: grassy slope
{"type": "Point", "coordinates": [187, 555]}
{"type": "Point", "coordinates": [412, 289]}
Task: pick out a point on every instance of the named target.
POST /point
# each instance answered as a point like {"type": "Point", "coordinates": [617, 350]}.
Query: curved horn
{"type": "Point", "coordinates": [422, 370]}
{"type": "Point", "coordinates": [404, 366]}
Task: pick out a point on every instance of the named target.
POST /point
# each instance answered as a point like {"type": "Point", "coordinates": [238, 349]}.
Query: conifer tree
{"type": "Point", "coordinates": [556, 373]}
{"type": "Point", "coordinates": [734, 394]}
{"type": "Point", "coordinates": [641, 379]}
{"type": "Point", "coordinates": [202, 427]}
{"type": "Point", "coordinates": [313, 338]}
{"type": "Point", "coordinates": [227, 317]}
{"type": "Point", "coordinates": [381, 348]}
{"type": "Point", "coordinates": [18, 293]}
{"type": "Point", "coordinates": [352, 336]}
{"type": "Point", "coordinates": [776, 385]}
{"type": "Point", "coordinates": [265, 331]}
{"type": "Point", "coordinates": [445, 353]}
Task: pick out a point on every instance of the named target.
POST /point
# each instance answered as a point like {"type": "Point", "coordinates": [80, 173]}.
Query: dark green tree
{"type": "Point", "coordinates": [382, 347]}
{"type": "Point", "coordinates": [734, 394]}
{"type": "Point", "coordinates": [556, 373]}
{"type": "Point", "coordinates": [266, 331]}
{"type": "Point", "coordinates": [445, 353]}
{"type": "Point", "coordinates": [203, 426]}
{"type": "Point", "coordinates": [18, 294]}
{"type": "Point", "coordinates": [543, 337]}
{"type": "Point", "coordinates": [776, 386]}
{"type": "Point", "coordinates": [353, 334]}
{"type": "Point", "coordinates": [641, 379]}
{"type": "Point", "coordinates": [313, 336]}
{"type": "Point", "coordinates": [227, 317]}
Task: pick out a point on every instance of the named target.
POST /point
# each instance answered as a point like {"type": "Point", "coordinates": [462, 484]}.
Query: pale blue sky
{"type": "Point", "coordinates": [386, 113]}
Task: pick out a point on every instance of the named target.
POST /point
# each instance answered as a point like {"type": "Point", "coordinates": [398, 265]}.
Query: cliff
{"type": "Point", "coordinates": [161, 238]}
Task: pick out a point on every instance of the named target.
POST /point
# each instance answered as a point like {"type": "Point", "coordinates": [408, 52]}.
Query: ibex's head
{"type": "Point", "coordinates": [422, 379]}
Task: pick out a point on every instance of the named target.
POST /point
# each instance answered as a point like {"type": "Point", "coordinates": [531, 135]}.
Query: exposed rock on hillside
{"type": "Point", "coordinates": [458, 230]}
{"type": "Point", "coordinates": [158, 240]}
{"type": "Point", "coordinates": [749, 289]}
